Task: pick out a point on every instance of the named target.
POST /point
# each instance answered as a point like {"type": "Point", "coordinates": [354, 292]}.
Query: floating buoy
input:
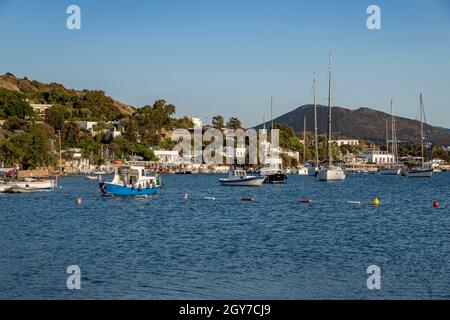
{"type": "Point", "coordinates": [209, 198]}
{"type": "Point", "coordinates": [376, 202]}
{"type": "Point", "coordinates": [248, 199]}
{"type": "Point", "coordinates": [78, 201]}
{"type": "Point", "coordinates": [436, 204]}
{"type": "Point", "coordinates": [354, 202]}
{"type": "Point", "coordinates": [306, 201]}
{"type": "Point", "coordinates": [186, 196]}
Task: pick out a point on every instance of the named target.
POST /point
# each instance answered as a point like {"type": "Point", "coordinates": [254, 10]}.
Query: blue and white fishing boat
{"type": "Point", "coordinates": [130, 180]}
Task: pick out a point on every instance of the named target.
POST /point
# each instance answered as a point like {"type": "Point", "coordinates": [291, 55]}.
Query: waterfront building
{"type": "Point", "coordinates": [378, 157]}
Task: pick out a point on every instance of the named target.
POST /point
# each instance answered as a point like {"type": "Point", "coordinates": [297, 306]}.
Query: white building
{"type": "Point", "coordinates": [39, 108]}
{"type": "Point", "coordinates": [87, 125]}
{"type": "Point", "coordinates": [377, 156]}
{"type": "Point", "coordinates": [168, 156]}
{"type": "Point", "coordinates": [348, 142]}
{"type": "Point", "coordinates": [197, 122]}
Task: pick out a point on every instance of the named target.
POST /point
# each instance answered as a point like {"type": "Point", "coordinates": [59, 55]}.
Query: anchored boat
{"type": "Point", "coordinates": [240, 178]}
{"type": "Point", "coordinates": [130, 180]}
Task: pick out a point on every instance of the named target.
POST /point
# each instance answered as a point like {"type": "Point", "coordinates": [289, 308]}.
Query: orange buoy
{"type": "Point", "coordinates": [436, 204]}
{"type": "Point", "coordinates": [78, 202]}
{"type": "Point", "coordinates": [248, 199]}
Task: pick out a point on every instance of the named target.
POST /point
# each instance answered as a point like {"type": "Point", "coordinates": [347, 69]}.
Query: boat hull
{"type": "Point", "coordinates": [117, 190]}
{"type": "Point", "coordinates": [390, 172]}
{"type": "Point", "coordinates": [331, 175]}
{"type": "Point", "coordinates": [312, 171]}
{"type": "Point", "coordinates": [244, 182]}
{"type": "Point", "coordinates": [419, 173]}
{"type": "Point", "coordinates": [275, 178]}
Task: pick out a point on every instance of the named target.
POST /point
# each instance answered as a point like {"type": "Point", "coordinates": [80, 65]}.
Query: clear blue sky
{"type": "Point", "coordinates": [228, 56]}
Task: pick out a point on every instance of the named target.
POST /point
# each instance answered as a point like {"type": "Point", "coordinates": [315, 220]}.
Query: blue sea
{"type": "Point", "coordinates": [167, 247]}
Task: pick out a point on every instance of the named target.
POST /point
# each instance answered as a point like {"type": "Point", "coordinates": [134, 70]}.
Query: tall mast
{"type": "Point", "coordinates": [316, 145]}
{"type": "Point", "coordinates": [304, 139]}
{"type": "Point", "coordinates": [393, 134]}
{"type": "Point", "coordinates": [329, 111]}
{"type": "Point", "coordinates": [271, 113]}
{"type": "Point", "coordinates": [421, 129]}
{"type": "Point", "coordinates": [387, 135]}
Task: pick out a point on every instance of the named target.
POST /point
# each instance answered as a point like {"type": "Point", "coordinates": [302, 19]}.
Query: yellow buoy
{"type": "Point", "coordinates": [376, 202]}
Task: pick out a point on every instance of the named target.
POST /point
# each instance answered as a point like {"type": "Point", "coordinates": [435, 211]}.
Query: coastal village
{"type": "Point", "coordinates": [78, 143]}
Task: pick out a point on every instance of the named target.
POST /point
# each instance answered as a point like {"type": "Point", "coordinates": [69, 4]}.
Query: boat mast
{"type": "Point", "coordinates": [304, 139]}
{"type": "Point", "coordinates": [387, 135]}
{"type": "Point", "coordinates": [316, 145]}
{"type": "Point", "coordinates": [421, 130]}
{"type": "Point", "coordinates": [330, 160]}
{"type": "Point", "coordinates": [393, 133]}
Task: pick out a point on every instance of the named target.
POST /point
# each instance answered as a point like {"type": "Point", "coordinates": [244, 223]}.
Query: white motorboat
{"type": "Point", "coordinates": [331, 173]}
{"type": "Point", "coordinates": [240, 178]}
{"type": "Point", "coordinates": [4, 187]}
{"type": "Point", "coordinates": [303, 171]}
{"type": "Point", "coordinates": [35, 184]}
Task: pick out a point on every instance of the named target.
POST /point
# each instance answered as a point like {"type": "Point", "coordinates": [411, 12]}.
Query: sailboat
{"type": "Point", "coordinates": [272, 166]}
{"type": "Point", "coordinates": [312, 171]}
{"type": "Point", "coordinates": [392, 169]}
{"type": "Point", "coordinates": [330, 172]}
{"type": "Point", "coordinates": [425, 170]}
{"type": "Point", "coordinates": [302, 169]}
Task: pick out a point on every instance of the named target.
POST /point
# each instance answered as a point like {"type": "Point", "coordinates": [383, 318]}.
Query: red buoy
{"type": "Point", "coordinates": [248, 199]}
{"type": "Point", "coordinates": [436, 204]}
{"type": "Point", "coordinates": [306, 201]}
{"type": "Point", "coordinates": [78, 202]}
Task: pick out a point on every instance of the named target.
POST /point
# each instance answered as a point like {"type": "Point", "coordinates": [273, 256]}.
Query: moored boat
{"type": "Point", "coordinates": [240, 178]}
{"type": "Point", "coordinates": [130, 180]}
{"type": "Point", "coordinates": [330, 172]}
{"type": "Point", "coordinates": [390, 171]}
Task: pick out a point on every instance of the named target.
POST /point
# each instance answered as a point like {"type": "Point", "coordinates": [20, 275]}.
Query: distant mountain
{"type": "Point", "coordinates": [10, 82]}
{"type": "Point", "coordinates": [363, 123]}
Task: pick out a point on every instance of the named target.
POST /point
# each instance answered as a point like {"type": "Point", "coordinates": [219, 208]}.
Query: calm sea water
{"type": "Point", "coordinates": [166, 247]}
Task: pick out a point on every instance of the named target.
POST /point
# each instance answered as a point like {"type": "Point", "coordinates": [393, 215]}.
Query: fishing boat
{"type": "Point", "coordinates": [130, 180]}
{"type": "Point", "coordinates": [330, 172]}
{"type": "Point", "coordinates": [240, 178]}
{"type": "Point", "coordinates": [425, 170]}
{"type": "Point", "coordinates": [392, 169]}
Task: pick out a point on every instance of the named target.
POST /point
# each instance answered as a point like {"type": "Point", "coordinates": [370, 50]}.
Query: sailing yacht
{"type": "Point", "coordinates": [426, 169]}
{"type": "Point", "coordinates": [392, 169]}
{"type": "Point", "coordinates": [330, 172]}
{"type": "Point", "coordinates": [272, 166]}
{"type": "Point", "coordinates": [312, 170]}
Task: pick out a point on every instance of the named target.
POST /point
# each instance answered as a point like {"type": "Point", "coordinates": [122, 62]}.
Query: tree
{"type": "Point", "coordinates": [14, 104]}
{"type": "Point", "coordinates": [56, 116]}
{"type": "Point", "coordinates": [234, 123]}
{"type": "Point", "coordinates": [218, 122]}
